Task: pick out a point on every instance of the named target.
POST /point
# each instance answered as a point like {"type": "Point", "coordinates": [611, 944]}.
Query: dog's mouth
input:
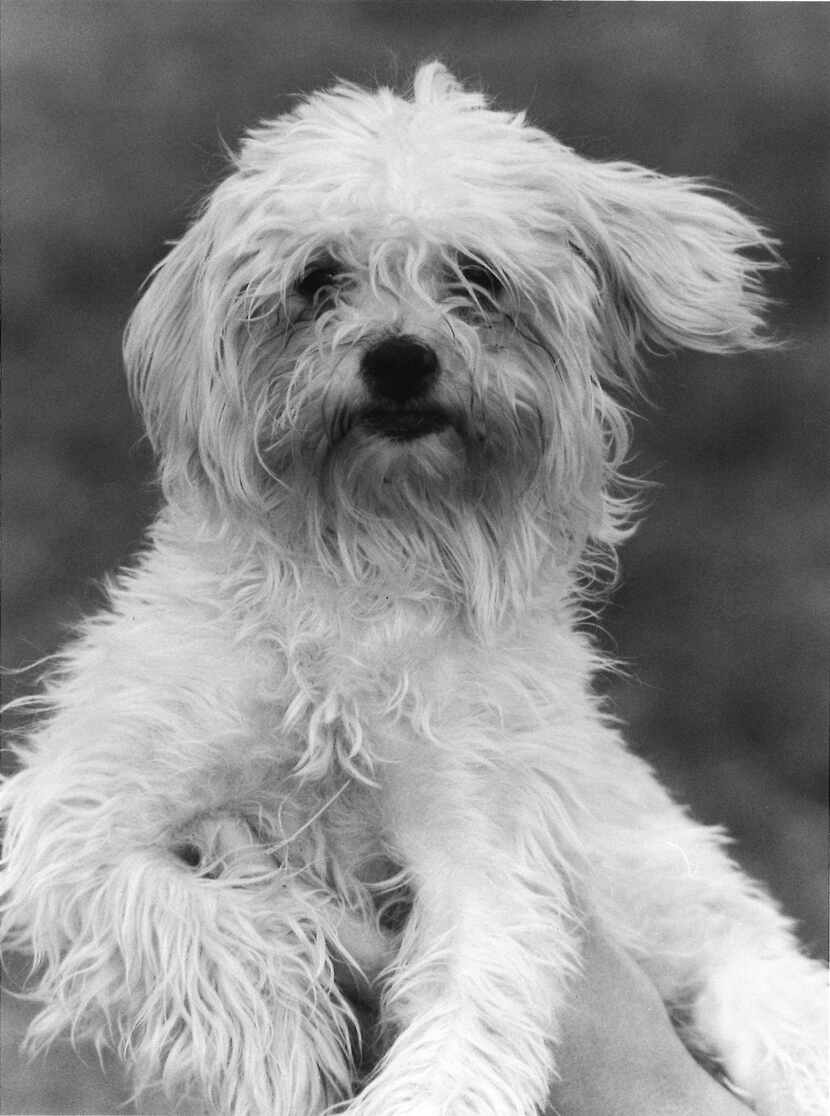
{"type": "Point", "coordinates": [405, 424]}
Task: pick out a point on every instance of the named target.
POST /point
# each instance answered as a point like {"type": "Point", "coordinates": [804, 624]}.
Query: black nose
{"type": "Point", "coordinates": [400, 368]}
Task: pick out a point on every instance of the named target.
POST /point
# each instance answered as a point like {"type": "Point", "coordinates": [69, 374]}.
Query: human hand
{"type": "Point", "coordinates": [620, 1054]}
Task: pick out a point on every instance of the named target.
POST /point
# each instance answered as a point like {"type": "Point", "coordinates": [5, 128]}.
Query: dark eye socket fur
{"type": "Point", "coordinates": [480, 276]}
{"type": "Point", "coordinates": [318, 278]}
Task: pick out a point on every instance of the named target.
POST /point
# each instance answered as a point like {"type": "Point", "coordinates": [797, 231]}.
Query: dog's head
{"type": "Point", "coordinates": [400, 332]}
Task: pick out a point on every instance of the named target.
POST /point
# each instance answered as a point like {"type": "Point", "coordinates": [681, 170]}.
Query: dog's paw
{"type": "Point", "coordinates": [385, 1097]}
{"type": "Point", "coordinates": [769, 1022]}
{"type": "Point", "coordinates": [219, 845]}
{"type": "Point", "coordinates": [381, 1105]}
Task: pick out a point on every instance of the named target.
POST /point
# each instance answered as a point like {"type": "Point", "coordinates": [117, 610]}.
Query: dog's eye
{"type": "Point", "coordinates": [318, 279]}
{"type": "Point", "coordinates": [482, 278]}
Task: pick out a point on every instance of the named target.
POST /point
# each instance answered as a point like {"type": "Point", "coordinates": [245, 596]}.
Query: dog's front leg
{"type": "Point", "coordinates": [483, 964]}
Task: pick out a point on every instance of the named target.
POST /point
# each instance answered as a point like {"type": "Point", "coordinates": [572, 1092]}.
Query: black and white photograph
{"type": "Point", "coordinates": [416, 558]}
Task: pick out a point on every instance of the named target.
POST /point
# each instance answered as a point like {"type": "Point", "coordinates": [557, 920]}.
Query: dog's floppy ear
{"type": "Point", "coordinates": [164, 351]}
{"type": "Point", "coordinates": [180, 356]}
{"type": "Point", "coordinates": [677, 266]}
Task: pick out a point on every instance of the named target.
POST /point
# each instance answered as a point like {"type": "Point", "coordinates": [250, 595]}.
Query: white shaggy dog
{"type": "Point", "coordinates": [385, 374]}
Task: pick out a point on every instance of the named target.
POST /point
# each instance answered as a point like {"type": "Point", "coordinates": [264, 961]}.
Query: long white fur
{"type": "Point", "coordinates": [344, 664]}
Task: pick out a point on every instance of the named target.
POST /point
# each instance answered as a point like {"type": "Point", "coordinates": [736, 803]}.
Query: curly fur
{"type": "Point", "coordinates": [347, 673]}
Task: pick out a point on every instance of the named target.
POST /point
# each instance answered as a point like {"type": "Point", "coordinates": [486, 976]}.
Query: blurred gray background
{"type": "Point", "coordinates": [112, 119]}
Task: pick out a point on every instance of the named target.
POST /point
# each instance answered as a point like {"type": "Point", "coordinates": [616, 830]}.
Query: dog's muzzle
{"type": "Point", "coordinates": [400, 373]}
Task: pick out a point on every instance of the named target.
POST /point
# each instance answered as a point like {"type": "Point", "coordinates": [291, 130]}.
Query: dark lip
{"type": "Point", "coordinates": [404, 424]}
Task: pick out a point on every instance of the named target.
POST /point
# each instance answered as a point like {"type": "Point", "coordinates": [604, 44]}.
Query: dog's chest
{"type": "Point", "coordinates": [354, 689]}
{"type": "Point", "coordinates": [354, 694]}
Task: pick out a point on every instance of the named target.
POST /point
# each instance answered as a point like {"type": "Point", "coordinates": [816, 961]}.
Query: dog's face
{"type": "Point", "coordinates": [399, 321]}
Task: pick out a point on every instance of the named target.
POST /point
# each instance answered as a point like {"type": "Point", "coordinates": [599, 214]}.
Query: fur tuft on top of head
{"type": "Point", "coordinates": [434, 84]}
{"type": "Point", "coordinates": [432, 229]}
